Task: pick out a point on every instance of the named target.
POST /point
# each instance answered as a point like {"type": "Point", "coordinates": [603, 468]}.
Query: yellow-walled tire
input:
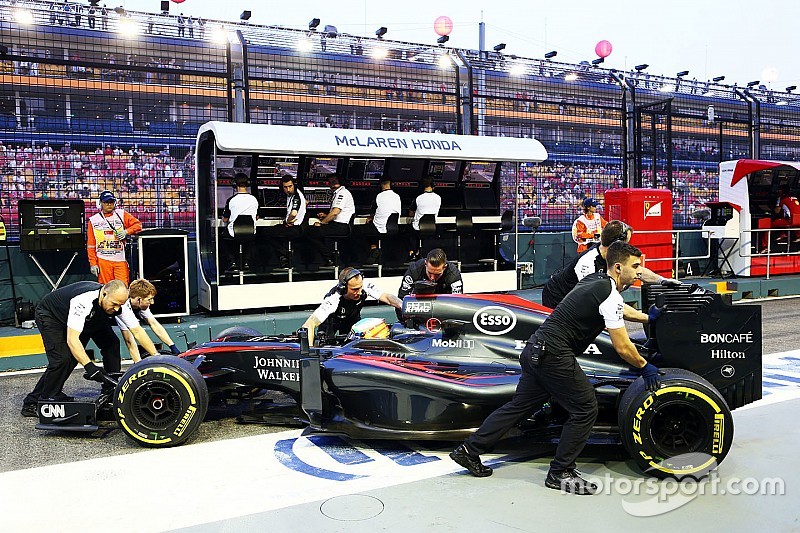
{"type": "Point", "coordinates": [160, 401]}
{"type": "Point", "coordinates": [684, 429]}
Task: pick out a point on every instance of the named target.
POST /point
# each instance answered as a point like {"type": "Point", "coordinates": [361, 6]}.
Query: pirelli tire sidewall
{"type": "Point", "coordinates": [160, 401]}
{"type": "Point", "coordinates": [642, 414]}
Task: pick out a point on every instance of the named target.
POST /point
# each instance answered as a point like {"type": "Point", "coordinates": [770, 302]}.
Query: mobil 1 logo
{"type": "Point", "coordinates": [494, 320]}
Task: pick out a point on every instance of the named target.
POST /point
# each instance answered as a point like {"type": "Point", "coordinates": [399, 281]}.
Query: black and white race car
{"type": "Point", "coordinates": [449, 365]}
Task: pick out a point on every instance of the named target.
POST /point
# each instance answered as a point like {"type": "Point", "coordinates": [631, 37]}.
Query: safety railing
{"type": "Point", "coordinates": [767, 251]}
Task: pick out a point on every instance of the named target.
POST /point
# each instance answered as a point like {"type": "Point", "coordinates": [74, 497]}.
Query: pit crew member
{"type": "Point", "coordinates": [136, 309]}
{"type": "Point", "coordinates": [594, 260]}
{"type": "Point", "coordinates": [341, 307]}
{"type": "Point", "coordinates": [549, 369]}
{"type": "Point", "coordinates": [67, 319]}
{"type": "Point", "coordinates": [433, 268]}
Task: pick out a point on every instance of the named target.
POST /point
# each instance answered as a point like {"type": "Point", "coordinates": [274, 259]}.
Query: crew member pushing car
{"type": "Point", "coordinates": [67, 319]}
{"type": "Point", "coordinates": [341, 307]}
{"type": "Point", "coordinates": [550, 369]}
{"type": "Point", "coordinates": [136, 309]}
{"type": "Point", "coordinates": [434, 268]}
{"type": "Point", "coordinates": [594, 260]}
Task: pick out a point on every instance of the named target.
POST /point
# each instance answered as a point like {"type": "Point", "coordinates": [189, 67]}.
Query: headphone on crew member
{"type": "Point", "coordinates": [623, 236]}
{"type": "Point", "coordinates": [345, 277]}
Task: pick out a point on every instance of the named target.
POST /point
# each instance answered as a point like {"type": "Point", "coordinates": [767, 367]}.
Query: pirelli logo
{"type": "Point", "coordinates": [718, 438]}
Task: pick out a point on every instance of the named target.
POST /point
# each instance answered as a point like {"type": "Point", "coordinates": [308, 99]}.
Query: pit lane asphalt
{"type": "Point", "coordinates": [25, 447]}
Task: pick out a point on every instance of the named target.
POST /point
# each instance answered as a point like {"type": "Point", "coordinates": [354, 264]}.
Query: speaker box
{"type": "Point", "coordinates": [164, 5]}
{"type": "Point", "coordinates": [163, 262]}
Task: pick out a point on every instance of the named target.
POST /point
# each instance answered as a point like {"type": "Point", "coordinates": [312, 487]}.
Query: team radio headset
{"type": "Point", "coordinates": [347, 275]}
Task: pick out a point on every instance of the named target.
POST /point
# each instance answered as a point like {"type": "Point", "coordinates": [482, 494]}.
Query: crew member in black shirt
{"type": "Point", "coordinates": [341, 306]}
{"type": "Point", "coordinates": [550, 369]}
{"type": "Point", "coordinates": [67, 319]}
{"type": "Point", "coordinates": [434, 268]}
{"type": "Point", "coordinates": [594, 260]}
{"type": "Point", "coordinates": [292, 226]}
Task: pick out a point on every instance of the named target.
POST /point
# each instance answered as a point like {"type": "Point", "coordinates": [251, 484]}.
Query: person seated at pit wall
{"type": "Point", "coordinates": [341, 306]}
{"type": "Point", "coordinates": [593, 260]}
{"type": "Point", "coordinates": [427, 203]}
{"type": "Point", "coordinates": [334, 223]}
{"type": "Point", "coordinates": [387, 202]}
{"type": "Point", "coordinates": [241, 204]}
{"type": "Point", "coordinates": [292, 226]}
{"type": "Point", "coordinates": [137, 308]}
{"type": "Point", "coordinates": [435, 268]}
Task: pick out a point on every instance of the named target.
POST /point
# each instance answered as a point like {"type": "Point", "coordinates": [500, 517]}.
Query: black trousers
{"type": "Point", "coordinates": [318, 234]}
{"type": "Point", "coordinates": [61, 363]}
{"type": "Point", "coordinates": [559, 377]}
{"type": "Point", "coordinates": [278, 238]}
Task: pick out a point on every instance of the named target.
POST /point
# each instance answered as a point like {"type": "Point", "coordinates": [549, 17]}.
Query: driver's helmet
{"type": "Point", "coordinates": [369, 328]}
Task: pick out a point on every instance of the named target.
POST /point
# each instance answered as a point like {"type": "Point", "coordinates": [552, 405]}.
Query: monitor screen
{"type": "Point", "coordinates": [52, 225]}
{"type": "Point", "coordinates": [443, 171]}
{"type": "Point", "coordinates": [364, 171]}
{"type": "Point", "coordinates": [479, 171]}
{"type": "Point", "coordinates": [322, 167]}
{"type": "Point", "coordinates": [405, 170]}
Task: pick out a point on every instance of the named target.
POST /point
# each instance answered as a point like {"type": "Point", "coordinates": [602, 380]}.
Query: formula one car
{"type": "Point", "coordinates": [451, 363]}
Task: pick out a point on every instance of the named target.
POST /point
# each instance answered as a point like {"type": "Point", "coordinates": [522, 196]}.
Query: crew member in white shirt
{"type": "Point", "coordinates": [427, 203]}
{"type": "Point", "coordinates": [334, 223]}
{"type": "Point", "coordinates": [386, 204]}
{"type": "Point", "coordinates": [241, 204]}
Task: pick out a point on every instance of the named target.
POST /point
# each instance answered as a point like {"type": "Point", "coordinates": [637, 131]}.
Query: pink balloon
{"type": "Point", "coordinates": [443, 25]}
{"type": "Point", "coordinates": [178, 1]}
{"type": "Point", "coordinates": [603, 48]}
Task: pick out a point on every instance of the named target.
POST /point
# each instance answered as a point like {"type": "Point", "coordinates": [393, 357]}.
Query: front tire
{"type": "Point", "coordinates": [160, 401]}
{"type": "Point", "coordinates": [683, 429]}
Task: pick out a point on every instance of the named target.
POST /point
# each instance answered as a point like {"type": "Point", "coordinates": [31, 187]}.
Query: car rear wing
{"type": "Point", "coordinates": [703, 332]}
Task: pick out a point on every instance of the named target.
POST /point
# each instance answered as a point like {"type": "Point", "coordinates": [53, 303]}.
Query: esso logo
{"type": "Point", "coordinates": [494, 320]}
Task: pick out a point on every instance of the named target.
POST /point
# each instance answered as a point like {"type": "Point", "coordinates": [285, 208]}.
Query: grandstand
{"type": "Point", "coordinates": [116, 104]}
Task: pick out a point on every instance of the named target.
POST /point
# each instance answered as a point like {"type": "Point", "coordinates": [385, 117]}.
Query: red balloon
{"type": "Point", "coordinates": [443, 25]}
{"type": "Point", "coordinates": [603, 48]}
{"type": "Point", "coordinates": [179, 1]}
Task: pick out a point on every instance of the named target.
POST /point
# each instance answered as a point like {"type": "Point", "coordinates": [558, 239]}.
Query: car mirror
{"type": "Point", "coordinates": [452, 327]}
{"type": "Point", "coordinates": [424, 286]}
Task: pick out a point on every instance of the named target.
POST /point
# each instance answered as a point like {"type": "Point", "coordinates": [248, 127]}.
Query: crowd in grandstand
{"type": "Point", "coordinates": [156, 187]}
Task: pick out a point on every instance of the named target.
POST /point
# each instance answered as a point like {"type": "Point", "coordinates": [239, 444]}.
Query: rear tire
{"type": "Point", "coordinates": [160, 401]}
{"type": "Point", "coordinates": [685, 429]}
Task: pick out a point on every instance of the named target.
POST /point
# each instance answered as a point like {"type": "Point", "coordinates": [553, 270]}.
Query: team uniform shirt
{"type": "Point", "coordinates": [449, 282]}
{"type": "Point", "coordinates": [102, 240]}
{"type": "Point", "coordinates": [129, 318]}
{"type": "Point", "coordinates": [593, 305]}
{"type": "Point", "coordinates": [75, 307]}
{"type": "Point", "coordinates": [564, 280]}
{"type": "Point", "coordinates": [387, 202]}
{"type": "Point", "coordinates": [337, 313]}
{"type": "Point", "coordinates": [296, 202]}
{"type": "Point", "coordinates": [344, 201]}
{"type": "Point", "coordinates": [584, 229]}
{"type": "Point", "coordinates": [240, 204]}
{"type": "Point", "coordinates": [427, 203]}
